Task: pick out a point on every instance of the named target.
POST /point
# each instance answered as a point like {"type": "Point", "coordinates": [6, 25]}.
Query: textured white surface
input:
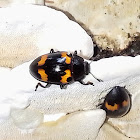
{"type": "Point", "coordinates": [77, 126]}
{"type": "Point", "coordinates": [114, 67]}
{"type": "Point", "coordinates": [27, 119]}
{"type": "Point", "coordinates": [22, 109]}
{"type": "Point", "coordinates": [6, 3]}
{"type": "Point", "coordinates": [107, 132]}
{"type": "Point", "coordinates": [29, 30]}
{"type": "Point", "coordinates": [113, 23]}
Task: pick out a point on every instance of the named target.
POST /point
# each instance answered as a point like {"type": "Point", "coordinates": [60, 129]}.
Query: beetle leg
{"type": "Point", "coordinates": [88, 83]}
{"type": "Point", "coordinates": [52, 51]}
{"type": "Point", "coordinates": [62, 86]}
{"type": "Point", "coordinates": [100, 80]}
{"type": "Point", "coordinates": [39, 84]}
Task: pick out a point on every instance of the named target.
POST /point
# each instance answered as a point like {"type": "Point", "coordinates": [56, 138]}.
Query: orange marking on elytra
{"type": "Point", "coordinates": [110, 107]}
{"type": "Point", "coordinates": [43, 75]}
{"type": "Point", "coordinates": [42, 61]}
{"type": "Point", "coordinates": [125, 103]}
{"type": "Point", "coordinates": [65, 77]}
{"type": "Point", "coordinates": [68, 59]}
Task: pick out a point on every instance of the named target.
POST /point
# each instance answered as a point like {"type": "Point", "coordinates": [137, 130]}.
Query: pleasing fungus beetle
{"type": "Point", "coordinates": [59, 68]}
{"type": "Point", "coordinates": [117, 102]}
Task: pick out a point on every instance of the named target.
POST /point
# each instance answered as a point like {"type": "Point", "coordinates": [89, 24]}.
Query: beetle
{"type": "Point", "coordinates": [117, 102]}
{"type": "Point", "coordinates": [59, 68]}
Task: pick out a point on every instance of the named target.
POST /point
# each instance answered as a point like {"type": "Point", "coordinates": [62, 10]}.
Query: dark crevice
{"type": "Point", "coordinates": [133, 49]}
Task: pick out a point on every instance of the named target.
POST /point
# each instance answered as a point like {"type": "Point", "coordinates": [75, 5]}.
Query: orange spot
{"type": "Point", "coordinates": [65, 77]}
{"type": "Point", "coordinates": [110, 107]}
{"type": "Point", "coordinates": [42, 61]}
{"type": "Point", "coordinates": [68, 59]}
{"type": "Point", "coordinates": [43, 75]}
{"type": "Point", "coordinates": [125, 103]}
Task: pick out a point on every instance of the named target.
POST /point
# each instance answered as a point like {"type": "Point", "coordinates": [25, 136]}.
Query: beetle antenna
{"type": "Point", "coordinates": [96, 77]}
